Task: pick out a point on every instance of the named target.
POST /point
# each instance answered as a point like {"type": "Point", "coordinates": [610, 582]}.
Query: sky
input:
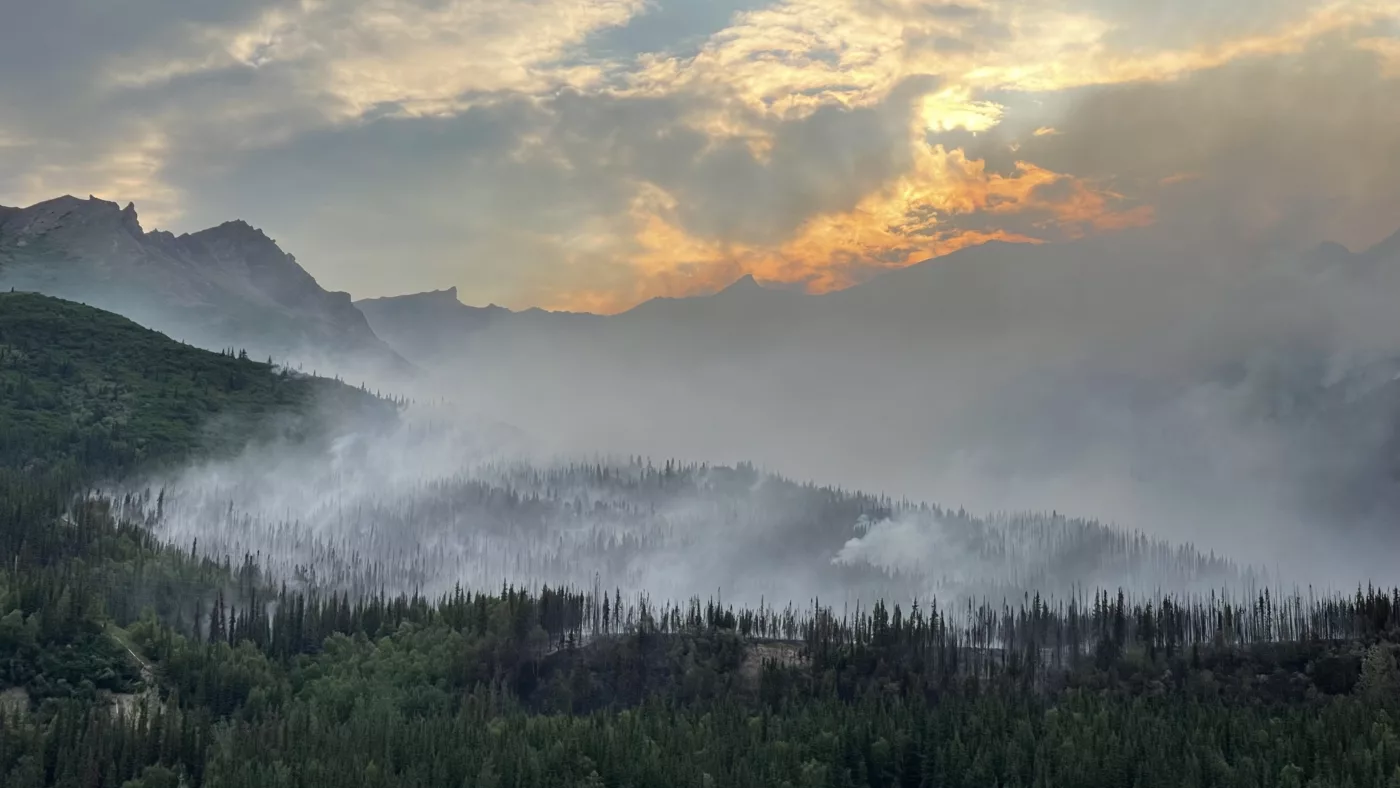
{"type": "Point", "coordinates": [590, 154]}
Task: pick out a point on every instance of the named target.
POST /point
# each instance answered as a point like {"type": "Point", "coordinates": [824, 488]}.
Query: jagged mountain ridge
{"type": "Point", "coordinates": [972, 291]}
{"type": "Point", "coordinates": [1075, 298]}
{"type": "Point", "coordinates": [226, 286]}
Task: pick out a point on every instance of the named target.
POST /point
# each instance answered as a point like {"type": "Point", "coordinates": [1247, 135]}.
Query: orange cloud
{"type": "Point", "coordinates": [789, 59]}
{"type": "Point", "coordinates": [352, 60]}
{"type": "Point", "coordinates": [911, 219]}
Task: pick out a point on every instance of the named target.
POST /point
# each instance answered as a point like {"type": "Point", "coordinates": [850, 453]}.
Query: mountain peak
{"type": "Point", "coordinates": [745, 283]}
{"type": "Point", "coordinates": [425, 298]}
{"type": "Point", "coordinates": [236, 228]}
{"type": "Point", "coordinates": [130, 220]}
{"type": "Point", "coordinates": [68, 214]}
{"type": "Point", "coordinates": [229, 284]}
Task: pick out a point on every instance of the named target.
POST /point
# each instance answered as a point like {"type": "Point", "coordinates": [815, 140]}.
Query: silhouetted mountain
{"type": "Point", "coordinates": [1171, 311]}
{"type": "Point", "coordinates": [227, 286]}
{"type": "Point", "coordinates": [741, 312]}
{"type": "Point", "coordinates": [424, 327]}
{"type": "Point", "coordinates": [429, 327]}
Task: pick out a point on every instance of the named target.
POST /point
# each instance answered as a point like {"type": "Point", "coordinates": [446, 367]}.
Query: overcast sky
{"type": "Point", "coordinates": [588, 154]}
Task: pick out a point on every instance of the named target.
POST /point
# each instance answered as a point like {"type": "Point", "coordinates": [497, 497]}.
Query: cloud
{"type": "Point", "coordinates": [923, 213]}
{"type": "Point", "coordinates": [677, 27]}
{"type": "Point", "coordinates": [1295, 146]}
{"type": "Point", "coordinates": [417, 57]}
{"type": "Point", "coordinates": [594, 154]}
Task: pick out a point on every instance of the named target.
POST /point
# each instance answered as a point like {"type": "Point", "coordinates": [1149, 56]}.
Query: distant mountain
{"type": "Point", "coordinates": [227, 286]}
{"type": "Point", "coordinates": [1112, 294]}
{"type": "Point", "coordinates": [433, 326]}
{"type": "Point", "coordinates": [425, 327]}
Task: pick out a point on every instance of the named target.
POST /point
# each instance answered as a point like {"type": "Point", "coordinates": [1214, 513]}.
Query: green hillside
{"type": "Point", "coordinates": [85, 389]}
{"type": "Point", "coordinates": [87, 396]}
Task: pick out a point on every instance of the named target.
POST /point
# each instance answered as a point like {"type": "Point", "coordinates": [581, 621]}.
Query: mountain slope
{"type": "Point", "coordinates": [225, 286]}
{"type": "Point", "coordinates": [86, 388]}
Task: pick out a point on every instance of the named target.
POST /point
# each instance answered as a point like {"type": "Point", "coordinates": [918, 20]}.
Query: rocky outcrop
{"type": "Point", "coordinates": [227, 286]}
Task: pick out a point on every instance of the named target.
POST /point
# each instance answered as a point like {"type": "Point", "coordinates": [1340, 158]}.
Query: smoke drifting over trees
{"type": "Point", "coordinates": [1239, 395]}
{"type": "Point", "coordinates": [1237, 398]}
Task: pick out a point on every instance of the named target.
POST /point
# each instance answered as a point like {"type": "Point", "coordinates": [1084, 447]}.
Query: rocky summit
{"type": "Point", "coordinates": [229, 285]}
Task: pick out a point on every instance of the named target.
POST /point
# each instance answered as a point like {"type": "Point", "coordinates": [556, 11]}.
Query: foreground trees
{"type": "Point", "coordinates": [126, 662]}
{"type": "Point", "coordinates": [230, 681]}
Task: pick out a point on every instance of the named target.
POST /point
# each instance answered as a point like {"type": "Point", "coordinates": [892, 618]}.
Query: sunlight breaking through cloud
{"type": "Point", "coordinates": [525, 97]}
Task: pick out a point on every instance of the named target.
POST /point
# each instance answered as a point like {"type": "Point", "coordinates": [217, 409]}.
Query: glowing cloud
{"type": "Point", "coordinates": [193, 105]}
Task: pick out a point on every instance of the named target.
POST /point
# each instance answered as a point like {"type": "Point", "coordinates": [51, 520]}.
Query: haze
{"type": "Point", "coordinates": [1113, 259]}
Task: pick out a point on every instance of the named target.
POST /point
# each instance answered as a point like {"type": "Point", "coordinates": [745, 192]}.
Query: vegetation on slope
{"type": "Point", "coordinates": [261, 686]}
{"type": "Point", "coordinates": [86, 396]}
{"type": "Point", "coordinates": [253, 684]}
{"type": "Point", "coordinates": [668, 529]}
{"type": "Point", "coordinates": [91, 392]}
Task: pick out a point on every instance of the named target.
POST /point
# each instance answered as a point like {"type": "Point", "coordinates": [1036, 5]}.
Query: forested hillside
{"type": "Point", "coordinates": [126, 661]}
{"type": "Point", "coordinates": [556, 687]}
{"type": "Point", "coordinates": [86, 390]}
{"type": "Point", "coordinates": [670, 528]}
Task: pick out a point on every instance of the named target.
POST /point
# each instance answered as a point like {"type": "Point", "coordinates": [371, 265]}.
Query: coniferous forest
{"type": "Point", "coordinates": [159, 635]}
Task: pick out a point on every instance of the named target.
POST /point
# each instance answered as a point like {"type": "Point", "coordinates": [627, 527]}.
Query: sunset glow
{"type": "Point", "coordinates": [590, 155]}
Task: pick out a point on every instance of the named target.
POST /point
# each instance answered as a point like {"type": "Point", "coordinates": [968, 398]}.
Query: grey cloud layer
{"type": "Point", "coordinates": [308, 119]}
{"type": "Point", "coordinates": [1298, 147]}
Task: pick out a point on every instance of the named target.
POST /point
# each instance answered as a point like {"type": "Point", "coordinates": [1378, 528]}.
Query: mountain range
{"type": "Point", "coordinates": [232, 285]}
{"type": "Point", "coordinates": [227, 286]}
{"type": "Point", "coordinates": [1127, 376]}
{"type": "Point", "coordinates": [993, 289]}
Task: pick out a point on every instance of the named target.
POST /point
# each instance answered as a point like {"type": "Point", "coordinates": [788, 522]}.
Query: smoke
{"type": "Point", "coordinates": [900, 545]}
{"type": "Point", "coordinates": [1218, 380]}
{"type": "Point", "coordinates": [436, 502]}
{"type": "Point", "coordinates": [1218, 398]}
{"type": "Point", "coordinates": [1235, 395]}
{"type": "Point", "coordinates": [1046, 554]}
